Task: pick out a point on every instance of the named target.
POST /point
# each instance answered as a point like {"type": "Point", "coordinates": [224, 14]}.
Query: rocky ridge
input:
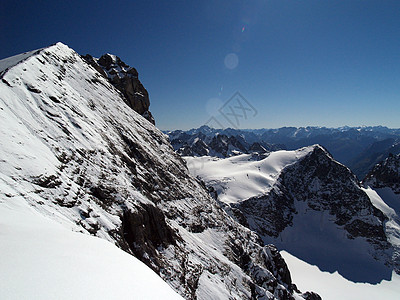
{"type": "Point", "coordinates": [323, 184]}
{"type": "Point", "coordinates": [125, 79]}
{"type": "Point", "coordinates": [385, 174]}
{"type": "Point", "coordinates": [218, 145]}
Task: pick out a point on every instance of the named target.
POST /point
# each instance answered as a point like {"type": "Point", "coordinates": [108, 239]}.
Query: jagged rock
{"type": "Point", "coordinates": [257, 147]}
{"type": "Point", "coordinates": [385, 174]}
{"type": "Point", "coordinates": [217, 143]}
{"type": "Point", "coordinates": [126, 80]}
{"type": "Point", "coordinates": [145, 230]}
{"type": "Point", "coordinates": [199, 147]}
{"type": "Point", "coordinates": [227, 146]}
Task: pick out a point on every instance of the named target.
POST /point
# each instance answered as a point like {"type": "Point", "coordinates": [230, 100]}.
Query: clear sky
{"type": "Point", "coordinates": [296, 63]}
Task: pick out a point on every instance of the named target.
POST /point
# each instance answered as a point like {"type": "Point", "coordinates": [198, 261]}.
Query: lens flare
{"type": "Point", "coordinates": [231, 61]}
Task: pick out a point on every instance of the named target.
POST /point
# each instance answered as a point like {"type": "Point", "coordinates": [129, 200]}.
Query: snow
{"type": "Point", "coordinates": [316, 239]}
{"type": "Point", "coordinates": [51, 116]}
{"type": "Point", "coordinates": [377, 197]}
{"type": "Point", "coordinates": [332, 286]}
{"type": "Point", "coordinates": [389, 203]}
{"type": "Point", "coordinates": [43, 260]}
{"type": "Point", "coordinates": [7, 63]}
{"type": "Point", "coordinates": [391, 198]}
{"type": "Point", "coordinates": [240, 177]}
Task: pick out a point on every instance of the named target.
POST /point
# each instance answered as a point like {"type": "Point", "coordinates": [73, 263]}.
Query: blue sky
{"type": "Point", "coordinates": [297, 63]}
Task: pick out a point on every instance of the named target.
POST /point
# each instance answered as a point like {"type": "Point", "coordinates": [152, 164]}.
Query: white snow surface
{"type": "Point", "coordinates": [9, 62]}
{"type": "Point", "coordinates": [240, 177]}
{"type": "Point", "coordinates": [332, 286]}
{"type": "Point", "coordinates": [43, 260]}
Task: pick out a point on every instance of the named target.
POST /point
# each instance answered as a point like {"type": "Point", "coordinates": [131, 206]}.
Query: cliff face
{"type": "Point", "coordinates": [385, 174]}
{"type": "Point", "coordinates": [78, 156]}
{"type": "Point", "coordinates": [126, 80]}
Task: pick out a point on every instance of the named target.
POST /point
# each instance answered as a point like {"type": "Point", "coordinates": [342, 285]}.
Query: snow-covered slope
{"type": "Point", "coordinates": [9, 62]}
{"type": "Point", "coordinates": [241, 177]}
{"type": "Point", "coordinates": [333, 286]}
{"type": "Point", "coordinates": [308, 204]}
{"type": "Point", "coordinates": [43, 260]}
{"type": "Point", "coordinates": [73, 150]}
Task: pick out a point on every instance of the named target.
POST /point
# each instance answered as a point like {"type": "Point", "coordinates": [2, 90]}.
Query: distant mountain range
{"type": "Point", "coordinates": [359, 148]}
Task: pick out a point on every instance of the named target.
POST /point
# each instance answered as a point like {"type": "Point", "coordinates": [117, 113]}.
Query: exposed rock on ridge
{"type": "Point", "coordinates": [385, 174]}
{"type": "Point", "coordinates": [126, 80]}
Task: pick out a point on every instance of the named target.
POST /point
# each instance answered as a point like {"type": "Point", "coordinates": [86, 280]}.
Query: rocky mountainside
{"type": "Point", "coordinates": [385, 174]}
{"type": "Point", "coordinates": [308, 204]}
{"type": "Point", "coordinates": [373, 155]}
{"type": "Point", "coordinates": [125, 79]}
{"type": "Point", "coordinates": [72, 149]}
{"type": "Point", "coordinates": [357, 147]}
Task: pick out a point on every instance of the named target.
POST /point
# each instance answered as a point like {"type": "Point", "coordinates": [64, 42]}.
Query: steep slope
{"type": "Point", "coordinates": [308, 204]}
{"type": "Point", "coordinates": [373, 155]}
{"type": "Point", "coordinates": [384, 179]}
{"type": "Point", "coordinates": [61, 264]}
{"type": "Point", "coordinates": [332, 286]}
{"type": "Point", "coordinates": [74, 151]}
{"type": "Point", "coordinates": [385, 174]}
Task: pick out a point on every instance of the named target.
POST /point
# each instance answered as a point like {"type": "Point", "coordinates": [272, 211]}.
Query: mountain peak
{"type": "Point", "coordinates": [9, 62]}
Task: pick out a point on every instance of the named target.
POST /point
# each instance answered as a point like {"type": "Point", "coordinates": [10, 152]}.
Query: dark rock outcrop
{"type": "Point", "coordinates": [126, 80]}
{"type": "Point", "coordinates": [385, 174]}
